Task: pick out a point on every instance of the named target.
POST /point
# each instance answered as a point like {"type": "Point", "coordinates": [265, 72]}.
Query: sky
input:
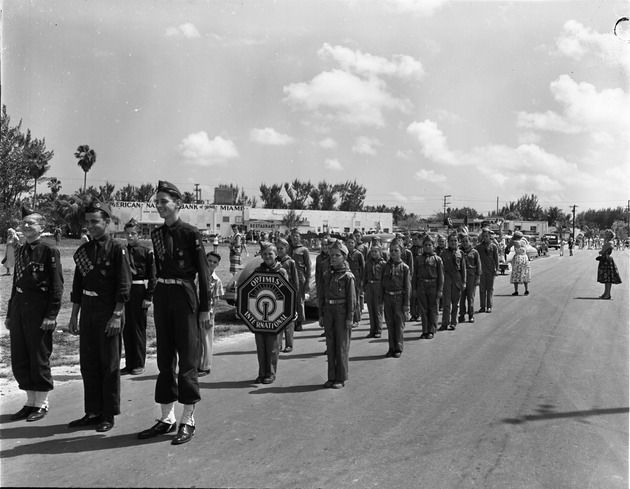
{"type": "Point", "coordinates": [413, 99]}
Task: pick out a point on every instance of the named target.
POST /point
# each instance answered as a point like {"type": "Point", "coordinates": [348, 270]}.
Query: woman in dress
{"type": "Point", "coordinates": [521, 271]}
{"type": "Point", "coordinates": [9, 254]}
{"type": "Point", "coordinates": [607, 272]}
{"type": "Point", "coordinates": [237, 246]}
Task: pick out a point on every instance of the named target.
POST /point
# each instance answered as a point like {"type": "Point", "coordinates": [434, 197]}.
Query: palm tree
{"type": "Point", "coordinates": [87, 158]}
{"type": "Point", "coordinates": [37, 167]}
{"type": "Point", "coordinates": [54, 184]}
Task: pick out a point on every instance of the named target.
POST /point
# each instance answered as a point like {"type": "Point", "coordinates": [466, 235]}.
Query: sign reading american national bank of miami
{"type": "Point", "coordinates": [266, 302]}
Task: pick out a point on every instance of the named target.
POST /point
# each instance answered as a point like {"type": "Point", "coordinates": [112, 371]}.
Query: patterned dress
{"type": "Point", "coordinates": [607, 272]}
{"type": "Point", "coordinates": [236, 249]}
{"type": "Point", "coordinates": [521, 271]}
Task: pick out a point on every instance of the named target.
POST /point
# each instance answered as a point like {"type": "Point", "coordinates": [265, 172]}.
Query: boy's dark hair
{"type": "Point", "coordinates": [214, 254]}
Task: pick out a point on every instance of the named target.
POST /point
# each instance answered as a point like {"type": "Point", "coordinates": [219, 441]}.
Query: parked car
{"type": "Point", "coordinates": [529, 249]}
{"type": "Point", "coordinates": [229, 295]}
{"type": "Point", "coordinates": [552, 241]}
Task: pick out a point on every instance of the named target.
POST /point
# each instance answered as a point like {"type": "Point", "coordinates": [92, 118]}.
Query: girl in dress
{"type": "Point", "coordinates": [607, 272]}
{"type": "Point", "coordinates": [521, 271]}
{"type": "Point", "coordinates": [9, 253]}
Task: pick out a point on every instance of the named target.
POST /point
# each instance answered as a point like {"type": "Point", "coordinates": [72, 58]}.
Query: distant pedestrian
{"type": "Point", "coordinates": [206, 332]}
{"type": "Point", "coordinates": [562, 243]}
{"type": "Point", "coordinates": [474, 270]}
{"type": "Point", "coordinates": [57, 234]}
{"type": "Point", "coordinates": [521, 271]}
{"type": "Point", "coordinates": [237, 246]}
{"type": "Point", "coordinates": [372, 281]}
{"type": "Point", "coordinates": [215, 243]}
{"type": "Point", "coordinates": [607, 272]}
{"type": "Point", "coordinates": [356, 262]}
{"type": "Point", "coordinates": [489, 256]}
{"type": "Point", "coordinates": [286, 262]}
{"type": "Point", "coordinates": [32, 316]}
{"type": "Point", "coordinates": [454, 282]}
{"type": "Point", "coordinates": [571, 243]}
{"type": "Point", "coordinates": [100, 289]}
{"type": "Point", "coordinates": [13, 241]}
{"type": "Point", "coordinates": [337, 300]}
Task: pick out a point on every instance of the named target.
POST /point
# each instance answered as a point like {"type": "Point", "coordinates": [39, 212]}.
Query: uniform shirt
{"type": "Point", "coordinates": [38, 271]}
{"type": "Point", "coordinates": [454, 265]}
{"type": "Point", "coordinates": [302, 259]}
{"type": "Point", "coordinates": [473, 261]}
{"type": "Point", "coordinates": [338, 285]}
{"type": "Point", "coordinates": [179, 254]}
{"type": "Point", "coordinates": [428, 267]}
{"type": "Point", "coordinates": [489, 256]}
{"type": "Point", "coordinates": [396, 278]}
{"type": "Point", "coordinates": [407, 256]}
{"type": "Point", "coordinates": [356, 262]}
{"type": "Point", "coordinates": [102, 267]}
{"type": "Point", "coordinates": [275, 268]}
{"type": "Point", "coordinates": [142, 264]}
{"type": "Point", "coordinates": [288, 264]}
{"type": "Point", "coordinates": [373, 270]}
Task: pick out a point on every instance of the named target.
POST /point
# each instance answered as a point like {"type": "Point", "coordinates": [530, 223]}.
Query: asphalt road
{"type": "Point", "coordinates": [534, 395]}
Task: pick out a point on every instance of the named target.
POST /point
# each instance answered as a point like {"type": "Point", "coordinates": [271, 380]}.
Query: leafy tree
{"type": "Point", "coordinates": [458, 213]}
{"type": "Point", "coordinates": [529, 208]}
{"type": "Point", "coordinates": [106, 191]}
{"type": "Point", "coordinates": [298, 193]}
{"type": "Point", "coordinates": [271, 196]}
{"type": "Point", "coordinates": [54, 184]}
{"type": "Point", "coordinates": [129, 193]}
{"type": "Point", "coordinates": [352, 196]}
{"type": "Point", "coordinates": [292, 219]}
{"type": "Point", "coordinates": [188, 198]}
{"type": "Point", "coordinates": [37, 159]}
{"type": "Point", "coordinates": [323, 197]}
{"type": "Point", "coordinates": [86, 158]}
{"type": "Point", "coordinates": [145, 192]}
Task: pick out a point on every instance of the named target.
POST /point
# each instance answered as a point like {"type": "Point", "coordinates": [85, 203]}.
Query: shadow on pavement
{"type": "Point", "coordinates": [251, 352]}
{"type": "Point", "coordinates": [66, 378]}
{"type": "Point", "coordinates": [239, 384]}
{"type": "Point", "coordinates": [296, 356]}
{"type": "Point", "coordinates": [286, 389]}
{"type": "Point", "coordinates": [367, 357]}
{"type": "Point", "coordinates": [588, 298]}
{"type": "Point", "coordinates": [546, 412]}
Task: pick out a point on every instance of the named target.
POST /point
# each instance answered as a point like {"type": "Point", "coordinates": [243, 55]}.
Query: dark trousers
{"type": "Point", "coordinates": [374, 299]}
{"type": "Point", "coordinates": [301, 297]}
{"type": "Point", "coordinates": [337, 341]}
{"type": "Point", "coordinates": [486, 289]}
{"type": "Point", "coordinates": [99, 358]}
{"type": "Point", "coordinates": [414, 307]}
{"type": "Point", "coordinates": [289, 333]}
{"type": "Point", "coordinates": [395, 319]}
{"type": "Point", "coordinates": [358, 292]}
{"type": "Point", "coordinates": [135, 330]}
{"type": "Point", "coordinates": [30, 346]}
{"type": "Point", "coordinates": [467, 299]}
{"type": "Point", "coordinates": [450, 302]}
{"type": "Point", "coordinates": [177, 334]}
{"type": "Point", "coordinates": [429, 306]}
{"type": "Point", "coordinates": [268, 350]}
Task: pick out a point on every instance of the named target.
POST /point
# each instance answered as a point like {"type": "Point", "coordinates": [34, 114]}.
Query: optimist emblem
{"type": "Point", "coordinates": [267, 305]}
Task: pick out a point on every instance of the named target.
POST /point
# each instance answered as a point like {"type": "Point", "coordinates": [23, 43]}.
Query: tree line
{"type": "Point", "coordinates": [25, 162]}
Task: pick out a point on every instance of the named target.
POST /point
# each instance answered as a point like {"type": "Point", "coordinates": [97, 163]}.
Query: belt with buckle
{"type": "Point", "coordinates": [336, 301]}
{"type": "Point", "coordinates": [171, 281]}
{"type": "Point", "coordinates": [398, 292]}
{"type": "Point", "coordinates": [17, 289]}
{"type": "Point", "coordinates": [428, 280]}
{"type": "Point", "coordinates": [91, 293]}
{"type": "Point", "coordinates": [375, 281]}
{"type": "Point", "coordinates": [138, 282]}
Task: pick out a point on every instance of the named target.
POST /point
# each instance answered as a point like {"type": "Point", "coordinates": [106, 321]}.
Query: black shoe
{"type": "Point", "coordinates": [137, 371]}
{"type": "Point", "coordinates": [288, 349]}
{"type": "Point", "coordinates": [37, 414]}
{"type": "Point", "coordinates": [22, 413]}
{"type": "Point", "coordinates": [471, 319]}
{"type": "Point", "coordinates": [397, 354]}
{"type": "Point", "coordinates": [443, 328]}
{"type": "Point", "coordinates": [298, 327]}
{"type": "Point", "coordinates": [337, 385]}
{"type": "Point", "coordinates": [323, 334]}
{"type": "Point", "coordinates": [202, 373]}
{"type": "Point", "coordinates": [481, 310]}
{"type": "Point", "coordinates": [259, 380]}
{"type": "Point", "coordinates": [429, 336]}
{"type": "Point", "coordinates": [452, 327]}
{"type": "Point", "coordinates": [461, 319]}
{"type": "Point", "coordinates": [125, 371]}
{"type": "Point", "coordinates": [389, 354]}
{"type": "Point", "coordinates": [514, 293]}
{"type": "Point", "coordinates": [526, 292]}
{"type": "Point", "coordinates": [269, 380]}
{"type": "Point", "coordinates": [489, 310]}
{"type": "Point", "coordinates": [106, 424]}
{"type": "Point", "coordinates": [371, 335]}
{"type": "Point", "coordinates": [86, 420]}
{"type": "Point", "coordinates": [377, 335]}
{"type": "Point", "coordinates": [184, 434]}
{"type": "Point", "coordinates": [160, 428]}
{"type": "Point", "coordinates": [329, 384]}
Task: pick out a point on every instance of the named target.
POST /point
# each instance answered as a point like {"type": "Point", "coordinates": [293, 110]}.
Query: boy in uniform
{"type": "Point", "coordinates": [268, 344]}
{"type": "Point", "coordinates": [101, 286]}
{"type": "Point", "coordinates": [396, 284]}
{"type": "Point", "coordinates": [206, 334]}
{"type": "Point", "coordinates": [428, 282]}
{"type": "Point", "coordinates": [338, 301]}
{"type": "Point", "coordinates": [143, 282]}
{"type": "Point", "coordinates": [489, 256]}
{"type": "Point", "coordinates": [32, 315]}
{"type": "Point", "coordinates": [179, 313]}
{"type": "Point", "coordinates": [373, 291]}
{"type": "Point", "coordinates": [454, 280]}
{"type": "Point", "coordinates": [473, 278]}
{"type": "Point", "coordinates": [416, 250]}
{"type": "Point", "coordinates": [356, 262]}
{"type": "Point", "coordinates": [286, 262]}
{"type": "Point", "coordinates": [322, 263]}
{"type": "Point", "coordinates": [302, 260]}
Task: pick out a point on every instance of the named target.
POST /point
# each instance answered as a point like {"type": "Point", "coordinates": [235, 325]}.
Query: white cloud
{"type": "Point", "coordinates": [416, 7]}
{"type": "Point", "coordinates": [270, 136]}
{"type": "Point", "coordinates": [585, 110]}
{"type": "Point", "coordinates": [430, 176]}
{"type": "Point", "coordinates": [365, 146]}
{"type": "Point", "coordinates": [432, 141]}
{"type": "Point", "coordinates": [187, 30]}
{"type": "Point", "coordinates": [345, 97]}
{"type": "Point", "coordinates": [578, 40]}
{"type": "Point", "coordinates": [199, 149]}
{"type": "Point", "coordinates": [332, 164]}
{"type": "Point", "coordinates": [328, 143]}
{"type": "Point", "coordinates": [400, 66]}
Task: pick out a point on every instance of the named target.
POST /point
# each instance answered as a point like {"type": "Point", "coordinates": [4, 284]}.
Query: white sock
{"type": "Point", "coordinates": [41, 399]}
{"type": "Point", "coordinates": [187, 415]}
{"type": "Point", "coordinates": [168, 413]}
{"type": "Point", "coordinates": [30, 398]}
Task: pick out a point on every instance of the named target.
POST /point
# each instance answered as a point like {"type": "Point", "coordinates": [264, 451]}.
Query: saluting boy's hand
{"type": "Point", "coordinates": [48, 324]}
{"type": "Point", "coordinates": [348, 323]}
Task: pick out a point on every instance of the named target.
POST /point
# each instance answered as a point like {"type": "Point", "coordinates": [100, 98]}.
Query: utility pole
{"type": "Point", "coordinates": [446, 203]}
{"type": "Point", "coordinates": [573, 207]}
